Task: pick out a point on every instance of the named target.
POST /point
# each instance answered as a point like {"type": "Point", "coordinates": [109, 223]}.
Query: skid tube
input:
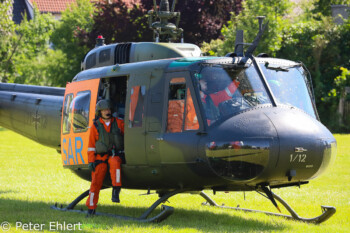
{"type": "Point", "coordinates": [327, 211]}
{"type": "Point", "coordinates": [166, 211]}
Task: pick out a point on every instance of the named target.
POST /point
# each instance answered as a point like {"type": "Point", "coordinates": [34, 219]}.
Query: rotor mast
{"type": "Point", "coordinates": [163, 29]}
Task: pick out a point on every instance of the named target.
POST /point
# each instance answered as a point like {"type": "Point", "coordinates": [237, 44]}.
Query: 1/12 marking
{"type": "Point", "coordinates": [298, 158]}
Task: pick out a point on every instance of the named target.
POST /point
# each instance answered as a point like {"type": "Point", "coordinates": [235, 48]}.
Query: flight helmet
{"type": "Point", "coordinates": [102, 105]}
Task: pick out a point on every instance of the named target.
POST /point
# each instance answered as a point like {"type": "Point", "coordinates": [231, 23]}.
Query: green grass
{"type": "Point", "coordinates": [32, 179]}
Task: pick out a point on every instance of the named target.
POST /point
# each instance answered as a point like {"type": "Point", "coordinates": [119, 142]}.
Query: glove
{"type": "Point", "coordinates": [92, 167]}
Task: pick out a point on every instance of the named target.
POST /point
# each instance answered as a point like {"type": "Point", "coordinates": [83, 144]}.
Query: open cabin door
{"type": "Point", "coordinates": [78, 113]}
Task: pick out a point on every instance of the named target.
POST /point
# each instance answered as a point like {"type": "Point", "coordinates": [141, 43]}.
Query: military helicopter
{"type": "Point", "coordinates": [259, 130]}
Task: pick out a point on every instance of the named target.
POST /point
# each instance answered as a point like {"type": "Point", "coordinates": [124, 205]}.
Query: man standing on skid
{"type": "Point", "coordinates": [105, 145]}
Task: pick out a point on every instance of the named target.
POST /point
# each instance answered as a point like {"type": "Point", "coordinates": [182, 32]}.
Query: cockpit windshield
{"type": "Point", "coordinates": [226, 91]}
{"type": "Point", "coordinates": [288, 85]}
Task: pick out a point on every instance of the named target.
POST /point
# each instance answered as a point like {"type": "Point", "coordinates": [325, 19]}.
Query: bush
{"type": "Point", "coordinates": [323, 47]}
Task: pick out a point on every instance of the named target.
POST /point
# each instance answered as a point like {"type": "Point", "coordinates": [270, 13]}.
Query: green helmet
{"type": "Point", "coordinates": [102, 105]}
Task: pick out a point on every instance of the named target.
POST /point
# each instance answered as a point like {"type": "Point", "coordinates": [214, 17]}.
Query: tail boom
{"type": "Point", "coordinates": [32, 111]}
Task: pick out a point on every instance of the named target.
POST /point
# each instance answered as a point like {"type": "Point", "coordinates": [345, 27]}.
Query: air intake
{"type": "Point", "coordinates": [122, 53]}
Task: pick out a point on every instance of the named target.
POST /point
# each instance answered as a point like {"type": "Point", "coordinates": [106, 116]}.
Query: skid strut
{"type": "Point", "coordinates": [166, 211]}
{"type": "Point", "coordinates": [327, 211]}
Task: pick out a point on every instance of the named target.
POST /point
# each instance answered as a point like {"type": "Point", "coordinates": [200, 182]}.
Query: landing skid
{"type": "Point", "coordinates": [327, 211]}
{"type": "Point", "coordinates": [166, 211]}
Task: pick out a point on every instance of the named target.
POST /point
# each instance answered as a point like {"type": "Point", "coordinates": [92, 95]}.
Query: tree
{"type": "Point", "coordinates": [202, 20]}
{"type": "Point", "coordinates": [313, 39]}
{"type": "Point", "coordinates": [341, 94]}
{"type": "Point", "coordinates": [34, 44]}
{"type": "Point", "coordinates": [118, 22]}
{"type": "Point", "coordinates": [324, 6]}
{"type": "Point", "coordinates": [28, 57]}
{"type": "Point", "coordinates": [275, 12]}
{"type": "Point", "coordinates": [24, 44]}
{"type": "Point", "coordinates": [324, 47]}
{"type": "Point", "coordinates": [70, 38]}
{"type": "Point", "coordinates": [8, 44]}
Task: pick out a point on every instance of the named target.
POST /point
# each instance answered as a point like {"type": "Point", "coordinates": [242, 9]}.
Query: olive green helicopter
{"type": "Point", "coordinates": [192, 122]}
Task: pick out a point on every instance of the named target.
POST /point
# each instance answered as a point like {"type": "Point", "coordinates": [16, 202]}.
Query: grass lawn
{"type": "Point", "coordinates": [32, 179]}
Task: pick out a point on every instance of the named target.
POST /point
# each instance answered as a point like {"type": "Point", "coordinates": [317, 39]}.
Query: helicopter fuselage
{"type": "Point", "coordinates": [264, 134]}
{"type": "Point", "coordinates": [233, 123]}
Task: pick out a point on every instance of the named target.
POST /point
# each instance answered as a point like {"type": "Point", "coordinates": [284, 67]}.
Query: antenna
{"type": "Point", "coordinates": [239, 43]}
{"type": "Point", "coordinates": [256, 41]}
{"type": "Point", "coordinates": [261, 20]}
{"type": "Point", "coordinates": [163, 29]}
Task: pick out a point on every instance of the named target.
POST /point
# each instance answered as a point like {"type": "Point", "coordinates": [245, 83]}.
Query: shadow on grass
{"type": "Point", "coordinates": [7, 191]}
{"type": "Point", "coordinates": [200, 220]}
{"type": "Point", "coordinates": [40, 212]}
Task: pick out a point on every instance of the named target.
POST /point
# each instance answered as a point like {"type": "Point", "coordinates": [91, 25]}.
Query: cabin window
{"type": "Point", "coordinates": [67, 114]}
{"type": "Point", "coordinates": [105, 55]}
{"type": "Point", "coordinates": [136, 107]}
{"type": "Point", "coordinates": [179, 117]}
{"type": "Point", "coordinates": [91, 61]}
{"type": "Point", "coordinates": [81, 105]}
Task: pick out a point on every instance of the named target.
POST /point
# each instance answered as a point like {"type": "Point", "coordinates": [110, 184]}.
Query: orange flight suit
{"type": "Point", "coordinates": [223, 95]}
{"type": "Point", "coordinates": [99, 174]}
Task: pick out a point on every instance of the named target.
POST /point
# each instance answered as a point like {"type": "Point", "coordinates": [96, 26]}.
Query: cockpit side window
{"type": "Point", "coordinates": [67, 114]}
{"type": "Point", "coordinates": [180, 118]}
{"type": "Point", "coordinates": [227, 91]}
{"type": "Point", "coordinates": [81, 105]}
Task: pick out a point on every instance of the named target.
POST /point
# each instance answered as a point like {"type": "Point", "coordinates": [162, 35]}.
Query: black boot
{"type": "Point", "coordinates": [115, 194]}
{"type": "Point", "coordinates": [91, 213]}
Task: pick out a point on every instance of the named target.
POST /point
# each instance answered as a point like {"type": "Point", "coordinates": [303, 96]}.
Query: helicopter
{"type": "Point", "coordinates": [252, 126]}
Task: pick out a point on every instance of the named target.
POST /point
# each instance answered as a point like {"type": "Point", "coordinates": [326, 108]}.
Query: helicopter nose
{"type": "Point", "coordinates": [243, 147]}
{"type": "Point", "coordinates": [306, 147]}
{"type": "Point", "coordinates": [277, 145]}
